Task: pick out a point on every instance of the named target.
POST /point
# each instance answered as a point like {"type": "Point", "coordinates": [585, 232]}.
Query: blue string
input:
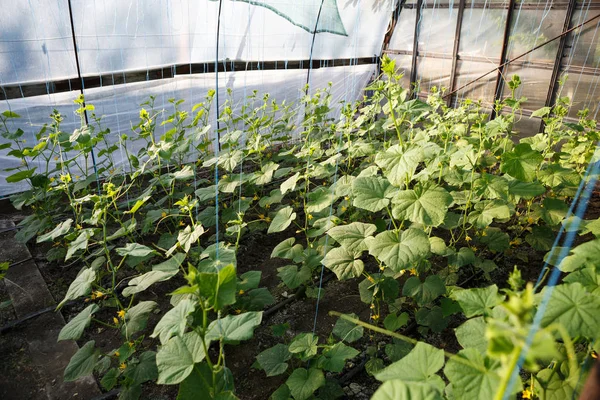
{"type": "Point", "coordinates": [554, 276]}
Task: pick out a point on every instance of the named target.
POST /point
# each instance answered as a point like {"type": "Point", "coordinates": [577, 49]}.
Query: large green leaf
{"type": "Point", "coordinates": [319, 199]}
{"type": "Point", "coordinates": [397, 389]}
{"type": "Point", "coordinates": [303, 383]}
{"type": "Point", "coordinates": [587, 253]}
{"type": "Point", "coordinates": [58, 231]}
{"type": "Point", "coordinates": [352, 236]}
{"type": "Point", "coordinates": [292, 276]}
{"type": "Point", "coordinates": [81, 286]}
{"type": "Point", "coordinates": [174, 362]}
{"type": "Point", "coordinates": [334, 358]}
{"type": "Point", "coordinates": [399, 251]}
{"type": "Point", "coordinates": [76, 326]}
{"type": "Point", "coordinates": [83, 362]}
{"type": "Point", "coordinates": [521, 163]}
{"type": "Point", "coordinates": [576, 309]}
{"type": "Point", "coordinates": [174, 321]}
{"type": "Point", "coordinates": [290, 183]}
{"type": "Point", "coordinates": [287, 249]}
{"type": "Point", "coordinates": [425, 204]}
{"type": "Point", "coordinates": [134, 250]}
{"type": "Point", "coordinates": [471, 334]}
{"type": "Point", "coordinates": [371, 193]}
{"type": "Point", "coordinates": [136, 317]}
{"type": "Point", "coordinates": [420, 365]}
{"type": "Point", "coordinates": [201, 384]}
{"type": "Point", "coordinates": [80, 243]}
{"type": "Point", "coordinates": [424, 292]}
{"type": "Point", "coordinates": [234, 327]}
{"type": "Point", "coordinates": [479, 301]}
{"type": "Point", "coordinates": [348, 331]}
{"type": "Point", "coordinates": [399, 165]}
{"type": "Point", "coordinates": [474, 376]}
{"type": "Point", "coordinates": [273, 360]}
{"type": "Point", "coordinates": [282, 219]}
{"type": "Point", "coordinates": [305, 344]}
{"type": "Point", "coordinates": [486, 211]}
{"type": "Point", "coordinates": [343, 263]}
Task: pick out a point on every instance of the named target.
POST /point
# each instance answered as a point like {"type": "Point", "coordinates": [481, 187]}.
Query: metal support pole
{"type": "Point", "coordinates": [413, 71]}
{"type": "Point", "coordinates": [503, 55]}
{"type": "Point", "coordinates": [459, 19]}
{"type": "Point", "coordinates": [552, 90]}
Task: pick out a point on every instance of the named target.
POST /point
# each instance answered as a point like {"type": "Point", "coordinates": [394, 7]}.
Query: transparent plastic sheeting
{"type": "Point", "coordinates": [119, 106]}
{"type": "Point", "coordinates": [125, 35]}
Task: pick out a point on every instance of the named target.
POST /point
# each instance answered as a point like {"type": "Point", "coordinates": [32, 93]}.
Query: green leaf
{"type": "Point", "coordinates": [426, 204]}
{"type": "Point", "coordinates": [588, 277]}
{"type": "Point", "coordinates": [526, 190]}
{"type": "Point", "coordinates": [174, 362]}
{"type": "Point", "coordinates": [348, 331]}
{"type": "Point", "coordinates": [399, 251]}
{"type": "Point", "coordinates": [58, 231]}
{"type": "Point", "coordinates": [479, 301]}
{"type": "Point", "coordinates": [495, 239]}
{"type": "Point", "coordinates": [174, 321]}
{"type": "Point", "coordinates": [109, 380]}
{"type": "Point", "coordinates": [290, 183]}
{"type": "Point", "coordinates": [134, 250]}
{"type": "Point", "coordinates": [21, 175]}
{"type": "Point", "coordinates": [265, 175]}
{"type": "Point", "coordinates": [397, 389]}
{"type": "Point", "coordinates": [474, 376]}
{"type": "Point", "coordinates": [282, 219]}
{"type": "Point", "coordinates": [557, 383]}
{"type": "Point", "coordinates": [399, 166]}
{"type": "Point", "coordinates": [199, 385]}
{"type": "Point", "coordinates": [303, 383]}
{"type": "Point", "coordinates": [540, 113]}
{"type": "Point", "coordinates": [541, 238]}
{"type": "Point", "coordinates": [287, 249]}
{"type": "Point", "coordinates": [394, 322]}
{"type": "Point", "coordinates": [81, 286]}
{"type": "Point", "coordinates": [249, 280]}
{"type": "Point", "coordinates": [273, 360]}
{"type": "Point", "coordinates": [188, 237]}
{"type": "Point", "coordinates": [145, 370]}
{"type": "Point", "coordinates": [420, 365]}
{"type": "Point", "coordinates": [486, 211]}
{"type": "Point", "coordinates": [319, 199]}
{"type": "Point", "coordinates": [334, 358]}
{"type": "Point", "coordinates": [82, 363]}
{"type": "Point", "coordinates": [522, 162]}
{"type": "Point", "coordinates": [80, 243]}
{"type": "Point", "coordinates": [136, 317]}
{"type": "Point", "coordinates": [234, 327]}
{"type": "Point", "coordinates": [304, 343]}
{"type": "Point", "coordinates": [424, 292]}
{"type": "Point", "coordinates": [292, 276]}
{"type": "Point", "coordinates": [471, 334]}
{"type": "Point", "coordinates": [576, 309]}
{"type": "Point", "coordinates": [587, 253]}
{"type": "Point", "coordinates": [463, 257]}
{"type": "Point", "coordinates": [371, 193]}
{"type": "Point", "coordinates": [143, 282]}
{"type": "Point", "coordinates": [76, 326]}
{"type": "Point", "coordinates": [343, 263]}
{"type": "Point", "coordinates": [352, 236]}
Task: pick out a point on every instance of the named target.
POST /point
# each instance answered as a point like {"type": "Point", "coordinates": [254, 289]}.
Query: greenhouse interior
{"type": "Point", "coordinates": [316, 199]}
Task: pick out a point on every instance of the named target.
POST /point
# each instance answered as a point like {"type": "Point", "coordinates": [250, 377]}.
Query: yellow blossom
{"type": "Point", "coordinates": [181, 223]}
{"type": "Point", "coordinates": [163, 214]}
{"type": "Point", "coordinates": [117, 354]}
{"type": "Point", "coordinates": [116, 321]}
{"type": "Point", "coordinates": [121, 314]}
{"type": "Point", "coordinates": [238, 311]}
{"type": "Point", "coordinates": [122, 366]}
{"type": "Point", "coordinates": [468, 238]}
{"type": "Point", "coordinates": [370, 279]}
{"type": "Point", "coordinates": [346, 198]}
{"type": "Point", "coordinates": [241, 292]}
{"type": "Point", "coordinates": [381, 267]}
{"type": "Point", "coordinates": [268, 219]}
{"type": "Point", "coordinates": [413, 271]}
{"type": "Point", "coordinates": [261, 216]}
{"type": "Point", "coordinates": [527, 394]}
{"type": "Point", "coordinates": [130, 344]}
{"type": "Point", "coordinates": [530, 220]}
{"type": "Point", "coordinates": [375, 317]}
{"type": "Point", "coordinates": [224, 205]}
{"type": "Point", "coordinates": [344, 209]}
{"type": "Point", "coordinates": [267, 206]}
{"type": "Point", "coordinates": [372, 306]}
{"type": "Point", "coordinates": [484, 233]}
{"type": "Point", "coordinates": [594, 354]}
{"type": "Point", "coordinates": [310, 216]}
{"type": "Point", "coordinates": [255, 197]}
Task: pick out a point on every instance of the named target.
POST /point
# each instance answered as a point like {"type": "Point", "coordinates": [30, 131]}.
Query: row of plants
{"type": "Point", "coordinates": [409, 197]}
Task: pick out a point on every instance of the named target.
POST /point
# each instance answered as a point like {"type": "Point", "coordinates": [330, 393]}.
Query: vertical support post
{"type": "Point", "coordinates": [391, 27]}
{"type": "Point", "coordinates": [413, 71]}
{"type": "Point", "coordinates": [503, 54]}
{"type": "Point", "coordinates": [459, 19]}
{"type": "Point", "coordinates": [552, 89]}
{"type": "Point", "coordinates": [81, 89]}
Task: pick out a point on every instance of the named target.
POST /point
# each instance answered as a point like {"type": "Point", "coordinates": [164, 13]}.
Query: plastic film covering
{"type": "Point", "coordinates": [404, 34]}
{"type": "Point", "coordinates": [403, 65]}
{"type": "Point", "coordinates": [118, 106]}
{"type": "Point", "coordinates": [35, 41]}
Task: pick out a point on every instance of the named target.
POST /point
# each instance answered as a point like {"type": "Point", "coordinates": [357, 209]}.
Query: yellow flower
{"type": "Point", "coordinates": [116, 321]}
{"type": "Point", "coordinates": [261, 216]}
{"type": "Point", "coordinates": [238, 311]}
{"type": "Point", "coordinates": [497, 157]}
{"type": "Point", "coordinates": [241, 292]}
{"type": "Point", "coordinates": [267, 206]}
{"type": "Point", "coordinates": [372, 306]}
{"type": "Point", "coordinates": [344, 209]}
{"type": "Point", "coordinates": [122, 366]}
{"type": "Point", "coordinates": [594, 354]}
{"type": "Point", "coordinates": [181, 223]}
{"type": "Point", "coordinates": [346, 198]}
{"type": "Point", "coordinates": [484, 233]}
{"type": "Point", "coordinates": [97, 295]}
{"type": "Point", "coordinates": [530, 220]}
{"type": "Point", "coordinates": [51, 179]}
{"type": "Point", "coordinates": [255, 197]}
{"type": "Point", "coordinates": [224, 205]}
{"type": "Point", "coordinates": [268, 219]}
{"type": "Point", "coordinates": [370, 279]}
{"type": "Point", "coordinates": [381, 267]}
{"type": "Point", "coordinates": [375, 317]}
{"type": "Point", "coordinates": [413, 271]}
{"type": "Point", "coordinates": [163, 214]}
{"type": "Point", "coordinates": [527, 394]}
{"type": "Point", "coordinates": [310, 216]}
{"type": "Point", "coordinates": [121, 314]}
{"type": "Point", "coordinates": [468, 238]}
{"type": "Point", "coordinates": [117, 354]}
{"type": "Point", "coordinates": [55, 158]}
{"type": "Point", "coordinates": [130, 344]}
